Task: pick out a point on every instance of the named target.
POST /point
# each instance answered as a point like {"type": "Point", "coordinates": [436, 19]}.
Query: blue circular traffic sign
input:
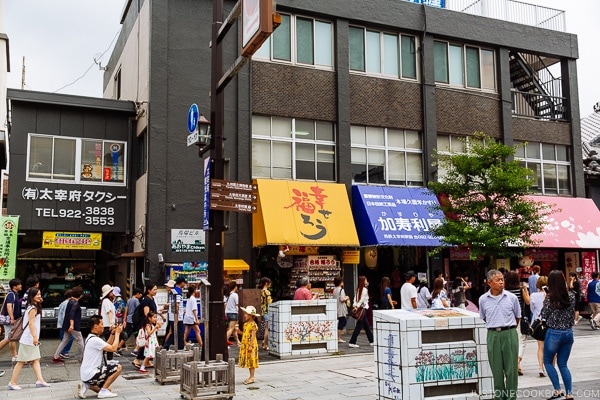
{"type": "Point", "coordinates": [192, 118]}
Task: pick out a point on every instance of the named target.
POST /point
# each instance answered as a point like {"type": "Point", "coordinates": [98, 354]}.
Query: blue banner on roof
{"type": "Point", "coordinates": [395, 216]}
{"type": "Point", "coordinates": [431, 3]}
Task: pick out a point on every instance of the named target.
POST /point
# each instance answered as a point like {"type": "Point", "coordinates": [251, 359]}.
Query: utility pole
{"type": "Point", "coordinates": [23, 75]}
{"type": "Point", "coordinates": [259, 20]}
{"type": "Point", "coordinates": [217, 171]}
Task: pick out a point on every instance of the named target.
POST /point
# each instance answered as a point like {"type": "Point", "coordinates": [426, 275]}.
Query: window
{"type": "Point", "coordinates": [551, 165]}
{"type": "Point", "coordinates": [76, 160]}
{"type": "Point", "coordinates": [300, 40]}
{"type": "Point", "coordinates": [293, 148]}
{"type": "Point", "coordinates": [465, 66]}
{"type": "Point", "coordinates": [449, 144]}
{"type": "Point", "coordinates": [386, 156]}
{"type": "Point", "coordinates": [380, 53]}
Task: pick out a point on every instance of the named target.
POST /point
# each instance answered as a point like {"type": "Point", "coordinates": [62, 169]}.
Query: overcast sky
{"type": "Point", "coordinates": [60, 39]}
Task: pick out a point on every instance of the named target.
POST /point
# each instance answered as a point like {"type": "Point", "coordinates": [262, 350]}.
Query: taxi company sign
{"type": "Point", "coordinates": [69, 207]}
{"type": "Point", "coordinates": [72, 240]}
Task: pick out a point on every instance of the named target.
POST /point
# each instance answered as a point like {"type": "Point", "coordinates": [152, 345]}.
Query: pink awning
{"type": "Point", "coordinates": [576, 225]}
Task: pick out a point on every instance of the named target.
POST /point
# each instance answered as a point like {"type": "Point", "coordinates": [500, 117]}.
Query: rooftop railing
{"type": "Point", "coordinates": [512, 11]}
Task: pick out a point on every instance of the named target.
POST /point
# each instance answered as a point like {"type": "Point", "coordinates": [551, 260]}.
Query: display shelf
{"type": "Point", "coordinates": [318, 269]}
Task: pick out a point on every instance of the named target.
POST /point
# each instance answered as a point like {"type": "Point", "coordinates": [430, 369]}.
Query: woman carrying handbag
{"type": "Point", "coordinates": [536, 303]}
{"type": "Point", "coordinates": [361, 300]}
{"type": "Point", "coordinates": [558, 312]}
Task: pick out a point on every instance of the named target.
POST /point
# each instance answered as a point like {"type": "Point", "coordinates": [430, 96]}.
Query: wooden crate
{"type": "Point", "coordinates": [167, 367]}
{"type": "Point", "coordinates": [202, 381]}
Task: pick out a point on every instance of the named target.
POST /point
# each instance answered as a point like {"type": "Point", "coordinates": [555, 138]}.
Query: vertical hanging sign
{"type": "Point", "coordinates": [205, 222]}
{"type": "Point", "coordinates": [9, 226]}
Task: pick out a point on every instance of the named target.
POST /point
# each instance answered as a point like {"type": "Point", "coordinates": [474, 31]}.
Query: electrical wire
{"type": "Point", "coordinates": [93, 63]}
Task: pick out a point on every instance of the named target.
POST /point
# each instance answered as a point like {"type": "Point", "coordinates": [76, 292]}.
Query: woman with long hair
{"type": "Point", "coordinates": [512, 284]}
{"type": "Point", "coordinates": [29, 344]}
{"type": "Point", "coordinates": [265, 300]}
{"type": "Point", "coordinates": [439, 299]}
{"type": "Point", "coordinates": [361, 299]}
{"type": "Point", "coordinates": [536, 302]}
{"type": "Point", "coordinates": [386, 294]}
{"type": "Point", "coordinates": [559, 314]}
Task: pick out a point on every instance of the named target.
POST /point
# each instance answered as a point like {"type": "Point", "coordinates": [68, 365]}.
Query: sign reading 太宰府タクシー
{"type": "Point", "coordinates": [57, 207]}
{"type": "Point", "coordinates": [187, 240]}
{"type": "Point", "coordinates": [72, 240]}
{"type": "Point", "coordinates": [9, 226]}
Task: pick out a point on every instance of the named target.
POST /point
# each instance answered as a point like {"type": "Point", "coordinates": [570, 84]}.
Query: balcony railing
{"type": "Point", "coordinates": [512, 11]}
{"type": "Point", "coordinates": [534, 105]}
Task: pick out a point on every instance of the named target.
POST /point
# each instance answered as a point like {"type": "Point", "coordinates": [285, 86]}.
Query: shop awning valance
{"type": "Point", "coordinates": [234, 265]}
{"type": "Point", "coordinates": [303, 213]}
{"type": "Point", "coordinates": [576, 224]}
{"type": "Point", "coordinates": [395, 216]}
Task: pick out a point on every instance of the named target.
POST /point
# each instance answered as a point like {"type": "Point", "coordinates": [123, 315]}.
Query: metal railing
{"type": "Point", "coordinates": [534, 105]}
{"type": "Point", "coordinates": [512, 11]}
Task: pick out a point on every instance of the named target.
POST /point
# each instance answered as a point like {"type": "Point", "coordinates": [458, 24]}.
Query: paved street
{"type": "Point", "coordinates": [346, 375]}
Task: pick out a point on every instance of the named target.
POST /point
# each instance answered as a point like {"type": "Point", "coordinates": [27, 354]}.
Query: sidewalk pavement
{"type": "Point", "coordinates": [349, 374]}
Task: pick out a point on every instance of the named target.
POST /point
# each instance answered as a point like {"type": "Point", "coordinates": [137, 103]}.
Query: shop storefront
{"type": "Point", "coordinates": [301, 229]}
{"type": "Point", "coordinates": [394, 227]}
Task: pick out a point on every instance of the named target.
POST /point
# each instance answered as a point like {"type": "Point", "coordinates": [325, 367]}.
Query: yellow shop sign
{"type": "Point", "coordinates": [72, 240]}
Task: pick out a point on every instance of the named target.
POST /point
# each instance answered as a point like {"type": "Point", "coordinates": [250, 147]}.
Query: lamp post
{"type": "Point", "coordinates": [218, 81]}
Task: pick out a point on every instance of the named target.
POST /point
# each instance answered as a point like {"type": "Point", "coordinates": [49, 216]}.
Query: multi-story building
{"type": "Point", "coordinates": [341, 94]}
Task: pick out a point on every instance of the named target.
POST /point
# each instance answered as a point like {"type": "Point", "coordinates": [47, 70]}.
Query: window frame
{"type": "Point", "coordinates": [382, 57]}
{"type": "Point", "coordinates": [388, 150]}
{"type": "Point", "coordinates": [294, 140]}
{"type": "Point", "coordinates": [526, 160]}
{"type": "Point", "coordinates": [465, 67]}
{"type": "Point", "coordinates": [259, 55]}
{"type": "Point", "coordinates": [78, 159]}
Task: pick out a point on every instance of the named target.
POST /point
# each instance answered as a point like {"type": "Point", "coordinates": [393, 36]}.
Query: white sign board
{"type": "Point", "coordinates": [250, 19]}
{"type": "Point", "coordinates": [187, 240]}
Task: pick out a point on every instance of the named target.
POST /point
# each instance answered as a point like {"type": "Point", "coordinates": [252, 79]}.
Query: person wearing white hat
{"type": "Point", "coordinates": [176, 311]}
{"type": "Point", "coordinates": [108, 314]}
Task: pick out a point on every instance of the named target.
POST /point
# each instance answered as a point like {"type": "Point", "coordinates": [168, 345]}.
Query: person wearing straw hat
{"type": "Point", "coordinates": [248, 356]}
{"type": "Point", "coordinates": [108, 314]}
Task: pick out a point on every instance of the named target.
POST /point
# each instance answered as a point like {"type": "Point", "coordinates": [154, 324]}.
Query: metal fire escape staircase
{"type": "Point", "coordinates": [532, 95]}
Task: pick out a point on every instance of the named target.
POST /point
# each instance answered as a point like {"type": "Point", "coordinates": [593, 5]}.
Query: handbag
{"type": "Point", "coordinates": [140, 340]}
{"type": "Point", "coordinates": [358, 313]}
{"type": "Point", "coordinates": [525, 326]}
{"type": "Point", "coordinates": [17, 330]}
{"type": "Point", "coordinates": [538, 330]}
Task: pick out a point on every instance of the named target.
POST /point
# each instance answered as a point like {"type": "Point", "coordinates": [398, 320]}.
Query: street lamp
{"type": "Point", "coordinates": [203, 130]}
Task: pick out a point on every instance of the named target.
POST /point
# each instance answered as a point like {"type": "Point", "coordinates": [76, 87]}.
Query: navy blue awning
{"type": "Point", "coordinates": [395, 216]}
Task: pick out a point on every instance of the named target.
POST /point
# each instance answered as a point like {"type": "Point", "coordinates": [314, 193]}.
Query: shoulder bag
{"type": "Point", "coordinates": [538, 330]}
{"type": "Point", "coordinates": [17, 330]}
{"type": "Point", "coordinates": [358, 313]}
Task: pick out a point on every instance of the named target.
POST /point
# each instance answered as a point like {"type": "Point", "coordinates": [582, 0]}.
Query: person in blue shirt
{"type": "Point", "coordinates": [12, 309]}
{"type": "Point", "coordinates": [535, 275]}
{"type": "Point", "coordinates": [386, 294]}
{"type": "Point", "coordinates": [593, 294]}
